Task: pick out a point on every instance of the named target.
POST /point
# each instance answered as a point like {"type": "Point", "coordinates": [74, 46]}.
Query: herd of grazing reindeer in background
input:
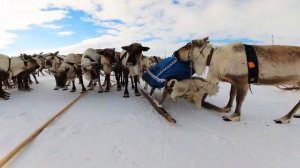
{"type": "Point", "coordinates": [91, 64]}
{"type": "Point", "coordinates": [279, 66]}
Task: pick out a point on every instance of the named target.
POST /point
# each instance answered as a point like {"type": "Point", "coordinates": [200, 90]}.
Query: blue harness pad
{"type": "Point", "coordinates": [169, 68]}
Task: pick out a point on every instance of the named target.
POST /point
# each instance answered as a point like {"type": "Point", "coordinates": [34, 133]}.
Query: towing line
{"type": "Point", "coordinates": [12, 153]}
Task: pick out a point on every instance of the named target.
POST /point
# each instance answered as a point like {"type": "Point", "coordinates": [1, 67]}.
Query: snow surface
{"type": "Point", "coordinates": [105, 130]}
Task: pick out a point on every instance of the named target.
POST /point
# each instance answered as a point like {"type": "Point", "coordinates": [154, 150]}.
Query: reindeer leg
{"type": "Point", "coordinates": [136, 89]}
{"type": "Point", "coordinates": [298, 114]}
{"type": "Point", "coordinates": [287, 118]}
{"type": "Point", "coordinates": [73, 86]}
{"type": "Point", "coordinates": [152, 91]}
{"type": "Point", "coordinates": [242, 89]}
{"type": "Point", "coordinates": [132, 83]}
{"type": "Point", "coordinates": [125, 75]}
{"type": "Point", "coordinates": [100, 86]}
{"type": "Point", "coordinates": [26, 79]}
{"type": "Point", "coordinates": [29, 79]}
{"type": "Point", "coordinates": [211, 106]}
{"type": "Point", "coordinates": [34, 76]}
{"type": "Point", "coordinates": [107, 79]}
{"type": "Point", "coordinates": [3, 94]}
{"type": "Point", "coordinates": [117, 75]}
{"type": "Point", "coordinates": [232, 95]}
{"type": "Point", "coordinates": [83, 89]}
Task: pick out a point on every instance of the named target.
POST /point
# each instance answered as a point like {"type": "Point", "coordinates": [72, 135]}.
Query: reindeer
{"type": "Point", "coordinates": [68, 71]}
{"type": "Point", "coordinates": [278, 65]}
{"type": "Point", "coordinates": [16, 67]}
{"type": "Point", "coordinates": [91, 65]}
{"type": "Point", "coordinates": [53, 61]}
{"type": "Point", "coordinates": [110, 61]}
{"type": "Point", "coordinates": [130, 59]}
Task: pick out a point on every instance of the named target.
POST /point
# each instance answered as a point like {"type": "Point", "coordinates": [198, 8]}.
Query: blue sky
{"type": "Point", "coordinates": [73, 26]}
{"type": "Point", "coordinates": [43, 37]}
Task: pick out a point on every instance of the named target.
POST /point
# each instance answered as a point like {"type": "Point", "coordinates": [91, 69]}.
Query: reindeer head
{"type": "Point", "coordinates": [50, 58]}
{"type": "Point", "coordinates": [135, 52]}
{"type": "Point", "coordinates": [61, 76]}
{"type": "Point", "coordinates": [30, 63]}
{"type": "Point", "coordinates": [196, 51]}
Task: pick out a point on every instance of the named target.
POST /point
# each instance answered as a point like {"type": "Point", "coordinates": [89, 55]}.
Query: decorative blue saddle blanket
{"type": "Point", "coordinates": [169, 68]}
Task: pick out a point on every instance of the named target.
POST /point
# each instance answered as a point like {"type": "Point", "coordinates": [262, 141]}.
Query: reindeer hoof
{"type": "Point", "coordinates": [55, 88]}
{"type": "Point", "coordinates": [106, 91]}
{"type": "Point", "coordinates": [297, 116]}
{"type": "Point", "coordinates": [137, 94]}
{"type": "Point", "coordinates": [91, 88]}
{"type": "Point", "coordinates": [126, 95]}
{"type": "Point", "coordinates": [119, 89]}
{"type": "Point", "coordinates": [72, 90]}
{"type": "Point", "coordinates": [231, 118]}
{"type": "Point", "coordinates": [226, 110]}
{"type": "Point", "coordinates": [100, 91]}
{"type": "Point", "coordinates": [282, 121]}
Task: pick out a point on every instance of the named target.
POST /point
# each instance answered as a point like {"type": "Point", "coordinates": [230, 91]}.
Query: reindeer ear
{"type": "Point", "coordinates": [125, 48]}
{"type": "Point", "coordinates": [206, 39]}
{"type": "Point", "coordinates": [145, 48]}
{"type": "Point", "coordinates": [113, 49]}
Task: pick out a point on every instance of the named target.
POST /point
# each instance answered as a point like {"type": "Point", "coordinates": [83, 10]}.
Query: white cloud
{"type": "Point", "coordinates": [65, 33]}
{"type": "Point", "coordinates": [228, 19]}
{"type": "Point", "coordinates": [52, 26]}
{"type": "Point", "coordinates": [19, 15]}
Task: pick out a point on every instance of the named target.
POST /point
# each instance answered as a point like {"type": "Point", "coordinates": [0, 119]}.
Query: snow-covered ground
{"type": "Point", "coordinates": [106, 130]}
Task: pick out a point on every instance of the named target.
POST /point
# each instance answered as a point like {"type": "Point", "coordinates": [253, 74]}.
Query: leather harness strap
{"type": "Point", "coordinates": [88, 57]}
{"type": "Point", "coordinates": [252, 64]}
{"type": "Point", "coordinates": [9, 64]}
{"type": "Point", "coordinates": [210, 56]}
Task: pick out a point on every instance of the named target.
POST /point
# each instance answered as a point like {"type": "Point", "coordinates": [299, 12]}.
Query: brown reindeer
{"type": "Point", "coordinates": [53, 61]}
{"type": "Point", "coordinates": [68, 71]}
{"type": "Point", "coordinates": [110, 61]}
{"type": "Point", "coordinates": [278, 65]}
{"type": "Point", "coordinates": [130, 59]}
{"type": "Point", "coordinates": [91, 65]}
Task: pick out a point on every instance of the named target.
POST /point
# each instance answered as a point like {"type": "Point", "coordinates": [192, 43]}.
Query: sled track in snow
{"type": "Point", "coordinates": [19, 147]}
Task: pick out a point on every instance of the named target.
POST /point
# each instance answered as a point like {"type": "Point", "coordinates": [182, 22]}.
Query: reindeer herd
{"type": "Point", "coordinates": [91, 64]}
{"type": "Point", "coordinates": [279, 65]}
